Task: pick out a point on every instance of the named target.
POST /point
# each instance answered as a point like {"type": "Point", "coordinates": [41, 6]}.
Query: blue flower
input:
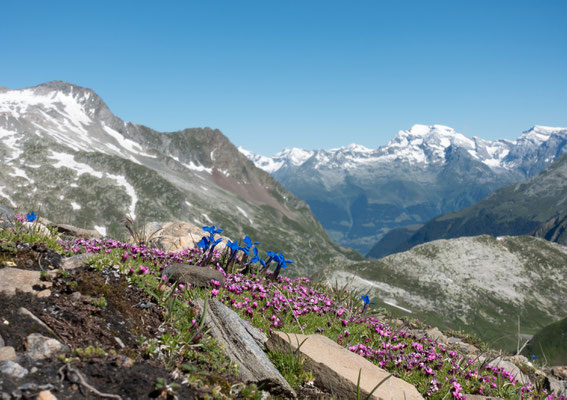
{"type": "Point", "coordinates": [211, 229]}
{"type": "Point", "coordinates": [282, 263]}
{"type": "Point", "coordinates": [249, 242]}
{"type": "Point", "coordinates": [204, 243]}
{"type": "Point", "coordinates": [31, 217]}
{"type": "Point", "coordinates": [366, 301]}
{"type": "Point", "coordinates": [256, 258]}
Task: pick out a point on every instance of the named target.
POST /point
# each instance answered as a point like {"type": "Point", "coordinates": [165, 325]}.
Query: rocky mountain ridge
{"type": "Point", "coordinates": [535, 206]}
{"type": "Point", "coordinates": [359, 194]}
{"type": "Point", "coordinates": [64, 152]}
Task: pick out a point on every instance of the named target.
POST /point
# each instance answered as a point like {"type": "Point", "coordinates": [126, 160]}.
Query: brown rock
{"type": "Point", "coordinates": [12, 279]}
{"type": "Point", "coordinates": [338, 368]}
{"type": "Point", "coordinates": [177, 236]}
{"type": "Point", "coordinates": [43, 293]}
{"type": "Point", "coordinates": [8, 353]}
{"type": "Point", "coordinates": [45, 395]}
{"type": "Point", "coordinates": [197, 276]}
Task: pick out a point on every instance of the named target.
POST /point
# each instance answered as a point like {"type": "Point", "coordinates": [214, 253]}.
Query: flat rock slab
{"type": "Point", "coordinates": [243, 344]}
{"type": "Point", "coordinates": [196, 275]}
{"type": "Point", "coordinates": [337, 369]}
{"type": "Point", "coordinates": [12, 279]}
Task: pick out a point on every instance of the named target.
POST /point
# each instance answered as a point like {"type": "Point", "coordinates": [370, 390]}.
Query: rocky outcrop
{"type": "Point", "coordinates": [338, 369]}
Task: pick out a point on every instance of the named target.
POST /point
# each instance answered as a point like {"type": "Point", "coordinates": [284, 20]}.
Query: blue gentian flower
{"type": "Point", "coordinates": [31, 217]}
{"type": "Point", "coordinates": [366, 301]}
{"type": "Point", "coordinates": [282, 264]}
{"type": "Point", "coordinates": [249, 242]}
{"type": "Point", "coordinates": [204, 243]}
{"type": "Point", "coordinates": [211, 229]}
{"type": "Point", "coordinates": [256, 258]}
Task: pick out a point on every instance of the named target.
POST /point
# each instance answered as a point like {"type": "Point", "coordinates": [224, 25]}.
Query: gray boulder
{"type": "Point", "coordinates": [39, 347]}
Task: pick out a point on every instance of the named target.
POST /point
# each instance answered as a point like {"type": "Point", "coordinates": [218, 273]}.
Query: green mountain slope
{"type": "Point", "coordinates": [550, 344]}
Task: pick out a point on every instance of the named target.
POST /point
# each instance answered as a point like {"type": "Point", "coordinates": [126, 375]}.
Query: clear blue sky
{"type": "Point", "coordinates": [312, 74]}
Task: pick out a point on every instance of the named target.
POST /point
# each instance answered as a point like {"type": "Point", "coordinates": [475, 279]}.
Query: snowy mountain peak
{"type": "Point", "coordinates": [421, 144]}
{"type": "Point", "coordinates": [423, 130]}
{"type": "Point", "coordinates": [539, 134]}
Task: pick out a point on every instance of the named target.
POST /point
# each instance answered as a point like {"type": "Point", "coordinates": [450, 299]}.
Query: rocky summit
{"type": "Point", "coordinates": [360, 194]}
{"type": "Point", "coordinates": [63, 151]}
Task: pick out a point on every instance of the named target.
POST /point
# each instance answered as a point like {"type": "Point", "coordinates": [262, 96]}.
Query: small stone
{"type": "Point", "coordinates": [2, 343]}
{"type": "Point", "coordinates": [76, 296]}
{"type": "Point", "coordinates": [13, 369]}
{"type": "Point", "coordinates": [46, 395]}
{"type": "Point", "coordinates": [33, 370]}
{"type": "Point", "coordinates": [40, 347]}
{"type": "Point", "coordinates": [43, 293]}
{"type": "Point", "coordinates": [6, 396]}
{"type": "Point", "coordinates": [7, 353]}
{"type": "Point", "coordinates": [75, 261]}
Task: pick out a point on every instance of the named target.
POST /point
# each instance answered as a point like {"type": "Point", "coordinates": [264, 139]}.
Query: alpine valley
{"type": "Point", "coordinates": [63, 152]}
{"type": "Point", "coordinates": [359, 194]}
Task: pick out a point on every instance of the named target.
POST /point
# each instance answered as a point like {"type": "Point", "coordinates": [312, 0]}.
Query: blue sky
{"type": "Point", "coordinates": [312, 74]}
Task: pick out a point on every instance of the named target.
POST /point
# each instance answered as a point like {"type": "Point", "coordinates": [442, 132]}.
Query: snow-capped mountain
{"type": "Point", "coordinates": [63, 152]}
{"type": "Point", "coordinates": [359, 194]}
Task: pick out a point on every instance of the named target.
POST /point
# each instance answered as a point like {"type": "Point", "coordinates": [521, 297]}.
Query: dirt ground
{"type": "Point", "coordinates": [72, 318]}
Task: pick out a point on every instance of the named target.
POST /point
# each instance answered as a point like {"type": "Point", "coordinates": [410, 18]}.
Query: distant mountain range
{"type": "Point", "coordinates": [359, 194]}
{"type": "Point", "coordinates": [536, 206]}
{"type": "Point", "coordinates": [64, 153]}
